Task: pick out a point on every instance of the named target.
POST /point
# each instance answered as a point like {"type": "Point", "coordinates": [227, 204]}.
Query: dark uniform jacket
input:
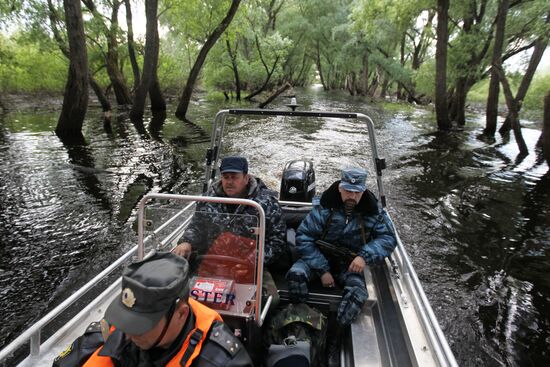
{"type": "Point", "coordinates": [345, 231]}
{"type": "Point", "coordinates": [220, 348]}
{"type": "Point", "coordinates": [275, 243]}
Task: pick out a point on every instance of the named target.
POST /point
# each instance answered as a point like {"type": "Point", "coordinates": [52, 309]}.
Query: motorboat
{"type": "Point", "coordinates": [397, 326]}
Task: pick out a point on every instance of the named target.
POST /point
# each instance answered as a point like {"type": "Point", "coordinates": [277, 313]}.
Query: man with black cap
{"type": "Point", "coordinates": [347, 216]}
{"type": "Point", "coordinates": [236, 182]}
{"type": "Point", "coordinates": [155, 323]}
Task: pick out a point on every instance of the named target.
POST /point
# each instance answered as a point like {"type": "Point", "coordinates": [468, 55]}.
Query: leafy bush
{"type": "Point", "coordinates": [534, 100]}
{"type": "Point", "coordinates": [28, 67]}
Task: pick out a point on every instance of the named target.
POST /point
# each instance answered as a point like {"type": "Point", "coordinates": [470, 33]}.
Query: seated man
{"type": "Point", "coordinates": [348, 216]}
{"type": "Point", "coordinates": [233, 234]}
{"type": "Point", "coordinates": [156, 324]}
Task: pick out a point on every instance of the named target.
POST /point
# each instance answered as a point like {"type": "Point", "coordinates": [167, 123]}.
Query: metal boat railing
{"type": "Point", "coordinates": [418, 298]}
{"type": "Point", "coordinates": [218, 126]}
{"type": "Point", "coordinates": [259, 316]}
{"type": "Point", "coordinates": [429, 321]}
{"type": "Point", "coordinates": [34, 332]}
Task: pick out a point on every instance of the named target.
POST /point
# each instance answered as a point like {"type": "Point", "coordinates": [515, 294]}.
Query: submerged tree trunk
{"type": "Point", "coordinates": [513, 110]}
{"type": "Point", "coordinates": [75, 99]}
{"type": "Point", "coordinates": [105, 104]}
{"type": "Point", "coordinates": [54, 19]}
{"type": "Point", "coordinates": [492, 98]}
{"type": "Point", "coordinates": [544, 140]}
{"type": "Point", "coordinates": [442, 116]}
{"type": "Point", "coordinates": [155, 95]}
{"type": "Point", "coordinates": [3, 106]}
{"type": "Point", "coordinates": [275, 95]}
{"type": "Point", "coordinates": [458, 101]}
{"type": "Point", "coordinates": [181, 111]}
{"type": "Point", "coordinates": [536, 56]}
{"type": "Point", "coordinates": [150, 62]}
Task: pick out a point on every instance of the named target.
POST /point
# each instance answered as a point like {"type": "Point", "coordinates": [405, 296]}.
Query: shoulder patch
{"type": "Point", "coordinates": [316, 201]}
{"type": "Point", "coordinates": [222, 335]}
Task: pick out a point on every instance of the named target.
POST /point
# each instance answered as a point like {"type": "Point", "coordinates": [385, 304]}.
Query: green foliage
{"type": "Point", "coordinates": [28, 67]}
{"type": "Point", "coordinates": [534, 100]}
{"type": "Point", "coordinates": [424, 79]}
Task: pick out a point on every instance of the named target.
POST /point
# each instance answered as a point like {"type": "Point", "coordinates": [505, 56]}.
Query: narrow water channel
{"type": "Point", "coordinates": [474, 219]}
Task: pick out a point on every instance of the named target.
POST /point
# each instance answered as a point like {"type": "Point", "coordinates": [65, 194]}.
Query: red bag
{"type": "Point", "coordinates": [241, 250]}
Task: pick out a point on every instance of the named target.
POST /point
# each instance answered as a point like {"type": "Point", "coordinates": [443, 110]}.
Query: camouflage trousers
{"type": "Point", "coordinates": [353, 298]}
{"type": "Point", "coordinates": [269, 288]}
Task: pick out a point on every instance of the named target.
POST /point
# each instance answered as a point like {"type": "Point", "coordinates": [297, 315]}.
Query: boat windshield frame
{"type": "Point", "coordinates": [259, 314]}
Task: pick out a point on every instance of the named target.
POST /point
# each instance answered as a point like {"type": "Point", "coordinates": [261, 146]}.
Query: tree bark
{"type": "Point", "coordinates": [513, 110]}
{"type": "Point", "coordinates": [150, 61]}
{"type": "Point", "coordinates": [536, 56]}
{"type": "Point", "coordinates": [158, 103]}
{"type": "Point", "coordinates": [274, 95]}
{"type": "Point", "coordinates": [75, 99]}
{"type": "Point", "coordinates": [105, 104]}
{"type": "Point", "coordinates": [181, 111]}
{"type": "Point", "coordinates": [235, 67]}
{"type": "Point", "coordinates": [52, 14]}
{"type": "Point", "coordinates": [443, 123]}
{"type": "Point", "coordinates": [122, 93]}
{"type": "Point", "coordinates": [544, 140]}
{"type": "Point", "coordinates": [3, 106]}
{"type": "Point", "coordinates": [458, 100]}
{"type": "Point", "coordinates": [131, 44]}
{"type": "Point", "coordinates": [268, 72]}
{"type": "Point", "coordinates": [492, 98]}
{"type": "Point", "coordinates": [320, 66]}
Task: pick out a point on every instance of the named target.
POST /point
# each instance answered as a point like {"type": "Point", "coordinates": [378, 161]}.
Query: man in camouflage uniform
{"type": "Point", "coordinates": [236, 182]}
{"type": "Point", "coordinates": [348, 216]}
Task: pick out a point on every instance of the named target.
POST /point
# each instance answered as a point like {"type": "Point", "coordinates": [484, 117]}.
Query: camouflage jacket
{"type": "Point", "coordinates": [342, 231]}
{"type": "Point", "coordinates": [275, 241]}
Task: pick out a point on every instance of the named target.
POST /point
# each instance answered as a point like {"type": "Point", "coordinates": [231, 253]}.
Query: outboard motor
{"type": "Point", "coordinates": [298, 182]}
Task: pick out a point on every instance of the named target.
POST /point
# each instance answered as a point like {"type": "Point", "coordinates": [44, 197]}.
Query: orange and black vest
{"type": "Point", "coordinates": [204, 318]}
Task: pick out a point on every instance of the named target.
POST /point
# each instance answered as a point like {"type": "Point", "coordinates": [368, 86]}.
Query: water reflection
{"type": "Point", "coordinates": [67, 208]}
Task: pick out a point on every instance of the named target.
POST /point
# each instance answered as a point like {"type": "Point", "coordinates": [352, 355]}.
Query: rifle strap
{"type": "Point", "coordinates": [327, 225]}
{"type": "Point", "coordinates": [362, 225]}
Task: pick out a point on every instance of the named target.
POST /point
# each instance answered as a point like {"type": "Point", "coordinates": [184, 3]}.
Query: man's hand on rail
{"type": "Point", "coordinates": [183, 249]}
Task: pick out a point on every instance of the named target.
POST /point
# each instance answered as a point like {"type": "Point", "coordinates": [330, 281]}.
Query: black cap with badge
{"type": "Point", "coordinates": [149, 288]}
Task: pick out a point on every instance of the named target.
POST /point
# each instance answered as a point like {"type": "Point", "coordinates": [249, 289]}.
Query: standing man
{"type": "Point", "coordinates": [236, 182]}
{"type": "Point", "coordinates": [349, 217]}
{"type": "Point", "coordinates": [156, 324]}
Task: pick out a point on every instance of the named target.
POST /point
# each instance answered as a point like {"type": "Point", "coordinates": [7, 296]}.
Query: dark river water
{"type": "Point", "coordinates": [474, 218]}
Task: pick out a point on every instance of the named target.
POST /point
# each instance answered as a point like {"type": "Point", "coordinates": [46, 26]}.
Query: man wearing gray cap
{"type": "Point", "coordinates": [348, 217]}
{"type": "Point", "coordinates": [155, 323]}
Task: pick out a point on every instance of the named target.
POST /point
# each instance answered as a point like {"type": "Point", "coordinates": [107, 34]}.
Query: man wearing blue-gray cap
{"type": "Point", "coordinates": [349, 219]}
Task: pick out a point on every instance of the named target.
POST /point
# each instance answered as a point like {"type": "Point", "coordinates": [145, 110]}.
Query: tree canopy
{"type": "Point", "coordinates": [375, 48]}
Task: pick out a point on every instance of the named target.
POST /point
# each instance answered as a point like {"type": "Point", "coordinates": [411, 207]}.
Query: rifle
{"type": "Point", "coordinates": [337, 251]}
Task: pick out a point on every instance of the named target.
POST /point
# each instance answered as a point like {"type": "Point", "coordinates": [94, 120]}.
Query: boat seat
{"type": "Point", "coordinates": [293, 215]}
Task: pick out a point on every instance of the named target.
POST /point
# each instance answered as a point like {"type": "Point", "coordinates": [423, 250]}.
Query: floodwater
{"type": "Point", "coordinates": [474, 218]}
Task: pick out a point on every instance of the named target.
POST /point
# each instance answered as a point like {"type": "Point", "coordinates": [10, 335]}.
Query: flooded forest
{"type": "Point", "coordinates": [104, 101]}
